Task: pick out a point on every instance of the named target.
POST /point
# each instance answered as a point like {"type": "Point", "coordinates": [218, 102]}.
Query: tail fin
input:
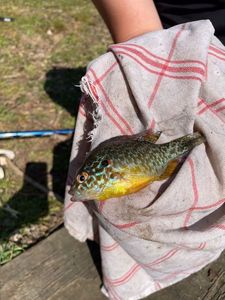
{"type": "Point", "coordinates": [194, 139]}
{"type": "Point", "coordinates": [183, 145]}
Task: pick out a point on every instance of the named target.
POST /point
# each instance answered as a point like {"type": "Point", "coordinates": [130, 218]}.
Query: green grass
{"type": "Point", "coordinates": [8, 251]}
{"type": "Point", "coordinates": [43, 55]}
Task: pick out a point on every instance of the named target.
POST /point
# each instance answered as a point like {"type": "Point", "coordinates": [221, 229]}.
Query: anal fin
{"type": "Point", "coordinates": [171, 167]}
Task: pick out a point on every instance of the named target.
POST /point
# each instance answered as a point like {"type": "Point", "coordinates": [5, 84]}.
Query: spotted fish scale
{"type": "Point", "coordinates": [126, 165]}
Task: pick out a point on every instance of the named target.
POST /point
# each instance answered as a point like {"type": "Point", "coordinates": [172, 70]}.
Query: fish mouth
{"type": "Point", "coordinates": [92, 195]}
{"type": "Point", "coordinates": [73, 199]}
{"type": "Point", "coordinates": [77, 198]}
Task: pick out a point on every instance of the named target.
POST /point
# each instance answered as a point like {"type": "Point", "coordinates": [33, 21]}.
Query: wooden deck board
{"type": "Point", "coordinates": [56, 268]}
{"type": "Point", "coordinates": [207, 284]}
{"type": "Point", "coordinates": [62, 268]}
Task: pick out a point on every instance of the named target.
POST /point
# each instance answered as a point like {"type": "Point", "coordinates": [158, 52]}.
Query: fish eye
{"type": "Point", "coordinates": [105, 163]}
{"type": "Point", "coordinates": [82, 177]}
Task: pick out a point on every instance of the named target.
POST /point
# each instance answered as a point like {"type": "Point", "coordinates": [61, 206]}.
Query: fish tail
{"type": "Point", "coordinates": [183, 145]}
{"type": "Point", "coordinates": [194, 139]}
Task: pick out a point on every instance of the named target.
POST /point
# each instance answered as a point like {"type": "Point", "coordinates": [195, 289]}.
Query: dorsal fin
{"type": "Point", "coordinates": [142, 136]}
{"type": "Point", "coordinates": [148, 136]}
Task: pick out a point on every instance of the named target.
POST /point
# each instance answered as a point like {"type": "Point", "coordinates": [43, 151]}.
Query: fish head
{"type": "Point", "coordinates": [92, 179]}
{"type": "Point", "coordinates": [110, 171]}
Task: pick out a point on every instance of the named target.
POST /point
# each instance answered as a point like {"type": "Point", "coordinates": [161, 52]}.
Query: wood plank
{"type": "Point", "coordinates": [207, 284]}
{"type": "Point", "coordinates": [62, 268]}
{"type": "Point", "coordinates": [57, 268]}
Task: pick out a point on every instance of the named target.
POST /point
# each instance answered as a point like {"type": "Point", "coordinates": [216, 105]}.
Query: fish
{"type": "Point", "coordinates": [124, 165]}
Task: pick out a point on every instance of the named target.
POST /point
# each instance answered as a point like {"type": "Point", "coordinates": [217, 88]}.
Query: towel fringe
{"type": "Point", "coordinates": [89, 89]}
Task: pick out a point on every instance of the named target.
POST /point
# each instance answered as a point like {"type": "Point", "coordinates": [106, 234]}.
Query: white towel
{"type": "Point", "coordinates": [171, 81]}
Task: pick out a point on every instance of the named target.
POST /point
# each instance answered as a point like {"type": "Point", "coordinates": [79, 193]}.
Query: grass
{"type": "Point", "coordinates": [43, 55]}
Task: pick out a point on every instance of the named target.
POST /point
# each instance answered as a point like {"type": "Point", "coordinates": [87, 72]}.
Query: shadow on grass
{"type": "Point", "coordinates": [28, 204]}
{"type": "Point", "coordinates": [60, 86]}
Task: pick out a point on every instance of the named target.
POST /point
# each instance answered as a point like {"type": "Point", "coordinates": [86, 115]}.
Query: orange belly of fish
{"type": "Point", "coordinates": [126, 187]}
{"type": "Point", "coordinates": [129, 184]}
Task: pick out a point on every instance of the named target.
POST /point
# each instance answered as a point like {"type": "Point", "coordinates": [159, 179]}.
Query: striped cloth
{"type": "Point", "coordinates": [172, 81]}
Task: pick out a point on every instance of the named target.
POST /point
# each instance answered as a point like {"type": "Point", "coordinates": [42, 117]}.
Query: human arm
{"type": "Point", "coordinates": [126, 19]}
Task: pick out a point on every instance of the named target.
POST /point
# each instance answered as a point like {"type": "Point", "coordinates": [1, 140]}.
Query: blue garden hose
{"type": "Point", "coordinates": [33, 133]}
